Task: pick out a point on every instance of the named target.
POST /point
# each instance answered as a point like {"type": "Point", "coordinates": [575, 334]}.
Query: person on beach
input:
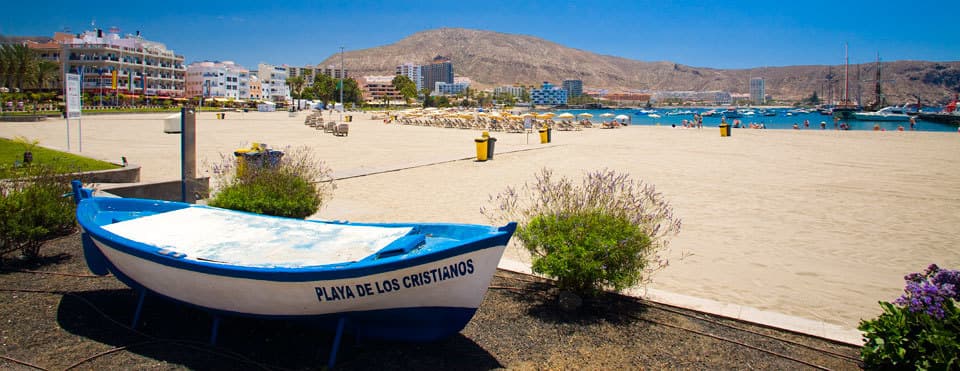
{"type": "Point", "coordinates": [823, 125]}
{"type": "Point", "coordinates": [806, 123]}
{"type": "Point", "coordinates": [913, 123]}
{"type": "Point", "coordinates": [796, 127]}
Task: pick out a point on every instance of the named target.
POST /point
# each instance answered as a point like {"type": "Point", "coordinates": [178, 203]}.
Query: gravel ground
{"type": "Point", "coordinates": [73, 320]}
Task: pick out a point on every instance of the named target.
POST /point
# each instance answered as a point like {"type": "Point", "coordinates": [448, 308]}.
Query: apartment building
{"type": "Point", "coordinates": [126, 65]}
{"type": "Point", "coordinates": [548, 95]}
{"type": "Point", "coordinates": [217, 79]}
{"type": "Point", "coordinates": [273, 82]}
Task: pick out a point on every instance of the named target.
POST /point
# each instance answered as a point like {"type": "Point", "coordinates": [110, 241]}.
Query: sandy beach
{"type": "Point", "coordinates": [808, 223]}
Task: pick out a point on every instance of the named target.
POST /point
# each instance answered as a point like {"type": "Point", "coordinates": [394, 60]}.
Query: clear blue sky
{"type": "Point", "coordinates": [728, 34]}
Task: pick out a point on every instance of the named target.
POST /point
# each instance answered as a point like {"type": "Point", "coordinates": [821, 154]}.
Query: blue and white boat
{"type": "Point", "coordinates": [410, 282]}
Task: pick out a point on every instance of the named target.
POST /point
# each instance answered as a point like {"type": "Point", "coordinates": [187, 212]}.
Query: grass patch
{"type": "Point", "coordinates": [31, 113]}
{"type": "Point", "coordinates": [11, 153]}
{"type": "Point", "coordinates": [133, 110]}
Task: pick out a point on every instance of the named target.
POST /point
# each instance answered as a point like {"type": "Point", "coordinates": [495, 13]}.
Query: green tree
{"type": "Point", "coordinates": [47, 72]}
{"type": "Point", "coordinates": [325, 88]}
{"type": "Point", "coordinates": [351, 91]}
{"type": "Point", "coordinates": [19, 64]}
{"type": "Point", "coordinates": [406, 87]}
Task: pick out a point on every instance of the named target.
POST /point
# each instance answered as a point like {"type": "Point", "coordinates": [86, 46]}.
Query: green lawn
{"type": "Point", "coordinates": [11, 153]}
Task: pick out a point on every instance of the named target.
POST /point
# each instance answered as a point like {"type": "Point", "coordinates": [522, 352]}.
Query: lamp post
{"type": "Point", "coordinates": [341, 84]}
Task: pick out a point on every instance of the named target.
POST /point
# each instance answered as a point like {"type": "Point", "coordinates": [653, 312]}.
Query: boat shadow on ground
{"type": "Point", "coordinates": [179, 334]}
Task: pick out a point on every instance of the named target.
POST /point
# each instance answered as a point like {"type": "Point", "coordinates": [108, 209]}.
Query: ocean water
{"type": "Point", "coordinates": [780, 121]}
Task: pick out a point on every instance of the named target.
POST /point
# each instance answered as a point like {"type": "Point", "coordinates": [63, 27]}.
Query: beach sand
{"type": "Point", "coordinates": [815, 224]}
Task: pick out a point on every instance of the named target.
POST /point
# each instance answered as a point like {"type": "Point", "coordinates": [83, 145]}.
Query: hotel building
{"type": "Point", "coordinates": [411, 71]}
{"type": "Point", "coordinates": [548, 95]}
{"type": "Point", "coordinates": [377, 89]}
{"type": "Point", "coordinates": [574, 88]}
{"type": "Point", "coordinates": [757, 93]}
{"type": "Point", "coordinates": [515, 91]}
{"type": "Point", "coordinates": [109, 63]}
{"type": "Point", "coordinates": [440, 70]}
{"type": "Point", "coordinates": [217, 79]}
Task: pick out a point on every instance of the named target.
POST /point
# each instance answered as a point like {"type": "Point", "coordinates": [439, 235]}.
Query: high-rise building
{"type": "Point", "coordinates": [440, 70]}
{"type": "Point", "coordinates": [757, 93]}
{"type": "Point", "coordinates": [217, 79]}
{"type": "Point", "coordinates": [574, 88]}
{"type": "Point", "coordinates": [548, 95]}
{"type": "Point", "coordinates": [143, 68]}
{"type": "Point", "coordinates": [411, 71]}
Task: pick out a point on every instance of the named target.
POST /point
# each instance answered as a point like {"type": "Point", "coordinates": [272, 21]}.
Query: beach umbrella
{"type": "Point", "coordinates": [622, 117]}
{"type": "Point", "coordinates": [606, 115]}
{"type": "Point", "coordinates": [587, 115]}
{"type": "Point", "coordinates": [565, 115]}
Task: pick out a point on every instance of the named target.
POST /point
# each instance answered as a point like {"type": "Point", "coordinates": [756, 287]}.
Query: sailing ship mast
{"type": "Point", "coordinates": [846, 74]}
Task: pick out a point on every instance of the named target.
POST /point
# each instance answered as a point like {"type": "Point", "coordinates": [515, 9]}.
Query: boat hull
{"type": "Point", "coordinates": [875, 117]}
{"type": "Point", "coordinates": [943, 118]}
{"type": "Point", "coordinates": [423, 302]}
{"type": "Point", "coordinates": [424, 293]}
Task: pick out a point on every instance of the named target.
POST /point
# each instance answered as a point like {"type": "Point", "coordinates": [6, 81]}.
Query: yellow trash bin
{"type": "Point", "coordinates": [481, 149]}
{"type": "Point", "coordinates": [543, 136]}
{"type": "Point", "coordinates": [348, 118]}
{"type": "Point", "coordinates": [724, 130]}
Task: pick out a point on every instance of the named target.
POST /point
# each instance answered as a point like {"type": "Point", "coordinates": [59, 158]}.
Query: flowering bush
{"type": "Point", "coordinates": [294, 185]}
{"type": "Point", "coordinates": [609, 231]}
{"type": "Point", "coordinates": [921, 329]}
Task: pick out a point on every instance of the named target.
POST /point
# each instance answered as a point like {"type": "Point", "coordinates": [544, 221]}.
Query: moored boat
{"type": "Point", "coordinates": [403, 281]}
{"type": "Point", "coordinates": [732, 113]}
{"type": "Point", "coordinates": [884, 114]}
{"type": "Point", "coordinates": [949, 115]}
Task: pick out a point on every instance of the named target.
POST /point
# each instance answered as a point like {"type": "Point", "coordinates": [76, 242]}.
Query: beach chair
{"type": "Point", "coordinates": [330, 127]}
{"type": "Point", "coordinates": [342, 130]}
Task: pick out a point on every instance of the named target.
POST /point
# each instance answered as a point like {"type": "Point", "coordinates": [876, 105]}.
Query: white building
{"type": "Point", "coordinates": [758, 94]}
{"type": "Point", "coordinates": [218, 79]}
{"type": "Point", "coordinates": [273, 82]}
{"type": "Point", "coordinates": [411, 71]}
{"type": "Point", "coordinates": [443, 88]}
{"type": "Point", "coordinates": [108, 62]}
{"type": "Point", "coordinates": [516, 91]}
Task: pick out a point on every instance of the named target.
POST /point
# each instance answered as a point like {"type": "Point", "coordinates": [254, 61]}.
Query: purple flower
{"type": "Point", "coordinates": [928, 292]}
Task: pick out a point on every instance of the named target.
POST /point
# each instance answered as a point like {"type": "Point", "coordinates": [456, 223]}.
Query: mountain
{"type": "Point", "coordinates": [491, 59]}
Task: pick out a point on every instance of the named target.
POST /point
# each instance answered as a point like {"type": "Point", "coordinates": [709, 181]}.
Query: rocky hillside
{"type": "Point", "coordinates": [491, 59]}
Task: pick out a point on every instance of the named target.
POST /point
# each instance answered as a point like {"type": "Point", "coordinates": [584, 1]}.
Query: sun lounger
{"type": "Point", "coordinates": [342, 130]}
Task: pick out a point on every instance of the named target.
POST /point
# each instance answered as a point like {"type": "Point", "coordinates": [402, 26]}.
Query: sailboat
{"type": "Point", "coordinates": [845, 108]}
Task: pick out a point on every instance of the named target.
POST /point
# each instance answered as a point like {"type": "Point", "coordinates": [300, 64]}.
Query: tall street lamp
{"type": "Point", "coordinates": [341, 84]}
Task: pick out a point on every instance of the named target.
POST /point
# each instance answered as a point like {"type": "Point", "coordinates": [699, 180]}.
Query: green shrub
{"type": "Point", "coordinates": [921, 329]}
{"type": "Point", "coordinates": [32, 210]}
{"type": "Point", "coordinates": [587, 248]}
{"type": "Point", "coordinates": [609, 231]}
{"type": "Point", "coordinates": [295, 186]}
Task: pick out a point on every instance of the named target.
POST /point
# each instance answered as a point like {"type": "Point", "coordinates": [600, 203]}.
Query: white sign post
{"type": "Point", "coordinates": [73, 104]}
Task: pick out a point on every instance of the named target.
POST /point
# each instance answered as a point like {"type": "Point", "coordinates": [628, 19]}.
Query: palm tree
{"type": "Point", "coordinates": [296, 84]}
{"type": "Point", "coordinates": [46, 72]}
{"type": "Point", "coordinates": [23, 64]}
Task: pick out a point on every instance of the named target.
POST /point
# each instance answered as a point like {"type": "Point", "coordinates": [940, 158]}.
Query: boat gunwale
{"type": "Point", "coordinates": [89, 207]}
